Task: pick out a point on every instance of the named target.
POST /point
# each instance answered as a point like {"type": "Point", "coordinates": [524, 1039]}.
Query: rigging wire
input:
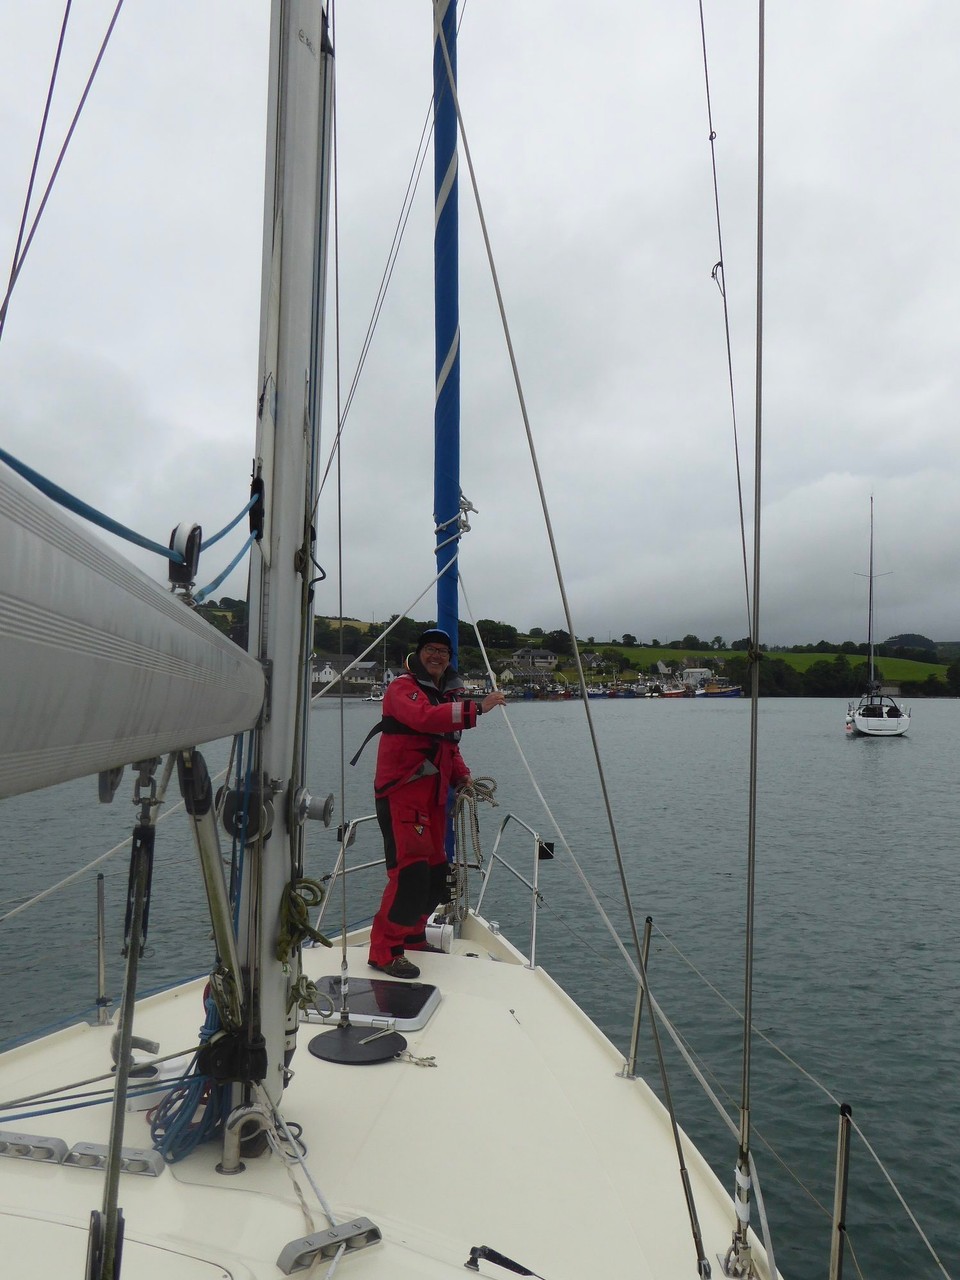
{"type": "Point", "coordinates": [541, 491]}
{"type": "Point", "coordinates": [737, 1260]}
{"type": "Point", "coordinates": [21, 252]}
{"type": "Point", "coordinates": [403, 218]}
{"type": "Point", "coordinates": [103, 857]}
{"type": "Point", "coordinates": [406, 208]}
{"type": "Point", "coordinates": [618, 854]}
{"type": "Point", "coordinates": [375, 644]}
{"type": "Point", "coordinates": [634, 963]}
{"type": "Point", "coordinates": [718, 275]}
{"type": "Point", "coordinates": [336, 455]}
{"type": "Point", "coordinates": [36, 162]}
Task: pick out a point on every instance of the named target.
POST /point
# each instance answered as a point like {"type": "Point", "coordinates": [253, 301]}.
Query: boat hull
{"type": "Point", "coordinates": [877, 717]}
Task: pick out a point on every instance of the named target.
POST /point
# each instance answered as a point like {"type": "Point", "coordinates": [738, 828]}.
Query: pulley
{"type": "Point", "coordinates": [247, 814]}
{"type": "Point", "coordinates": [185, 540]}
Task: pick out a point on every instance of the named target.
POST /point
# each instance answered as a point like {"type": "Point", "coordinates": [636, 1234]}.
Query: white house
{"type": "Point", "coordinates": [535, 659]}
{"type": "Point", "coordinates": [327, 669]}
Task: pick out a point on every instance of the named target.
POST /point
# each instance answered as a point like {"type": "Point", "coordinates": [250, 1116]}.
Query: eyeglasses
{"type": "Point", "coordinates": [437, 650]}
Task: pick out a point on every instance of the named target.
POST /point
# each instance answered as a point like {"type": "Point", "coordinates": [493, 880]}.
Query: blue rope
{"type": "Point", "coordinates": [226, 528]}
{"type": "Point", "coordinates": [175, 1125]}
{"type": "Point", "coordinates": [107, 1097]}
{"type": "Point", "coordinates": [80, 508]}
{"type": "Point", "coordinates": [200, 596]}
{"type": "Point", "coordinates": [86, 512]}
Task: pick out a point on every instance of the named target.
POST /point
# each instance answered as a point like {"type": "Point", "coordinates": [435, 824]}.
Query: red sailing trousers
{"type": "Point", "coordinates": [413, 824]}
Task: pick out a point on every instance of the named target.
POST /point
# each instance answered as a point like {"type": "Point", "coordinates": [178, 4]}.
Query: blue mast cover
{"type": "Point", "coordinates": [446, 420]}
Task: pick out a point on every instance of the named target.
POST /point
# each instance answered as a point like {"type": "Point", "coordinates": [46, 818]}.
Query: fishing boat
{"type": "Point", "coordinates": [876, 714]}
{"type": "Point", "coordinates": [719, 688]}
{"type": "Point", "coordinates": [288, 1111]}
{"type": "Point", "coordinates": [675, 688]}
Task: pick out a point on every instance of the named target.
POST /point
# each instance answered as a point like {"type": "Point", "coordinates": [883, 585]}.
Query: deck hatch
{"type": "Point", "coordinates": [376, 1001]}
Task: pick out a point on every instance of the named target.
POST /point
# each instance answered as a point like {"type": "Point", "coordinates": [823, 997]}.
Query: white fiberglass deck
{"type": "Point", "coordinates": [523, 1137]}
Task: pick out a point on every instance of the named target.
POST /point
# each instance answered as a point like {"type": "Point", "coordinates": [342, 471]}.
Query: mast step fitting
{"type": "Point", "coordinates": [300, 1254]}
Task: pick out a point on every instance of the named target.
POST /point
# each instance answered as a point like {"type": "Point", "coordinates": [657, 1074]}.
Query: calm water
{"type": "Point", "coordinates": [857, 959]}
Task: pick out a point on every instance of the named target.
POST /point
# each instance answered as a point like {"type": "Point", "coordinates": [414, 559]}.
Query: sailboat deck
{"type": "Point", "coordinates": [435, 1156]}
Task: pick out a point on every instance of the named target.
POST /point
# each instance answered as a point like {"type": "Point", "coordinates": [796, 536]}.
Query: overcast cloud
{"type": "Point", "coordinates": [128, 363]}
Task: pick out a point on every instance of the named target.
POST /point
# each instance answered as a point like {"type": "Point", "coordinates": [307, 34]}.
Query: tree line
{"type": "Point", "coordinates": [834, 676]}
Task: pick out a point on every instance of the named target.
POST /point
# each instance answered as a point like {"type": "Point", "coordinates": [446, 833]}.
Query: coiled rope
{"type": "Point", "coordinates": [196, 1109]}
{"type": "Point", "coordinates": [466, 829]}
{"type": "Point", "coordinates": [298, 897]}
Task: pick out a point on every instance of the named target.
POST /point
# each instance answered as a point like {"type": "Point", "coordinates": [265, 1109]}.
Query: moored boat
{"type": "Point", "coordinates": [718, 688]}
{"type": "Point", "coordinates": [876, 714]}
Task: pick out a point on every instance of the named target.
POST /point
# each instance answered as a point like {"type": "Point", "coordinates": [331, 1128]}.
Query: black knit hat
{"type": "Point", "coordinates": [434, 637]}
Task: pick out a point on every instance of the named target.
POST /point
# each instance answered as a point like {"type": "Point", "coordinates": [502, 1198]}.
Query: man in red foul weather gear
{"type": "Point", "coordinates": [418, 761]}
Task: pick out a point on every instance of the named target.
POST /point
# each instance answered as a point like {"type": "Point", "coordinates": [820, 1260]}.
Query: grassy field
{"type": "Point", "coordinates": [641, 659]}
{"type": "Point", "coordinates": [897, 670]}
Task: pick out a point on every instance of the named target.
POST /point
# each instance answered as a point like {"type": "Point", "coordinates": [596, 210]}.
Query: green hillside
{"type": "Point", "coordinates": [892, 669]}
{"type": "Point", "coordinates": [805, 673]}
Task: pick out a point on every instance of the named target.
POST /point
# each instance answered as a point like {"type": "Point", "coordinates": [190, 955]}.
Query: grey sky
{"type": "Point", "coordinates": [128, 365]}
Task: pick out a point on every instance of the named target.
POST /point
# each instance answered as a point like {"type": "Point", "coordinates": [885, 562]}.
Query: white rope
{"type": "Point", "coordinates": [473, 792]}
{"type": "Point", "coordinates": [62, 884]}
{"type": "Point", "coordinates": [296, 1156]}
{"type": "Point", "coordinates": [383, 634]}
{"type": "Point", "coordinates": [611, 928]}
{"type": "Point", "coordinates": [336, 1260]}
{"type": "Point", "coordinates": [549, 812]}
{"type": "Point", "coordinates": [544, 506]}
{"type": "Point", "coordinates": [459, 519]}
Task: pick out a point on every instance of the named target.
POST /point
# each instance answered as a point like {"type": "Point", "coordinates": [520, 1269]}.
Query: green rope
{"type": "Point", "coordinates": [298, 897]}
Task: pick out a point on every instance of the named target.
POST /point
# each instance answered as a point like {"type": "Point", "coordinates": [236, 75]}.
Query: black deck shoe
{"type": "Point", "coordinates": [399, 967]}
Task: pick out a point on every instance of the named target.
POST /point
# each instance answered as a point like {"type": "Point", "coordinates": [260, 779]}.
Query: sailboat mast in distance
{"type": "Point", "coordinates": [877, 714]}
{"type": "Point", "coordinates": [870, 597]}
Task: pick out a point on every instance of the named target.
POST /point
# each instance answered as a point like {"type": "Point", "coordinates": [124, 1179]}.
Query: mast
{"type": "Point", "coordinates": [446, 419]}
{"type": "Point", "coordinates": [285, 473]}
{"type": "Point", "coordinates": [870, 600]}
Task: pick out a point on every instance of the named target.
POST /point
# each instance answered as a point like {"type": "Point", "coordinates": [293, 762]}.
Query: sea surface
{"type": "Point", "coordinates": [856, 952]}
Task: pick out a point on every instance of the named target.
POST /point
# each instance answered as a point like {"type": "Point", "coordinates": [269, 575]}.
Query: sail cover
{"type": "Point", "coordinates": [100, 666]}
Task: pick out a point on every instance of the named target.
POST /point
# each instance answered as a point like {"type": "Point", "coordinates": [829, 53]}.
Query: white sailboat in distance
{"type": "Point", "coordinates": [876, 714]}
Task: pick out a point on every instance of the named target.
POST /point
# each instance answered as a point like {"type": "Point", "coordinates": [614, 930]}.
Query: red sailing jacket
{"type": "Point", "coordinates": [420, 731]}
